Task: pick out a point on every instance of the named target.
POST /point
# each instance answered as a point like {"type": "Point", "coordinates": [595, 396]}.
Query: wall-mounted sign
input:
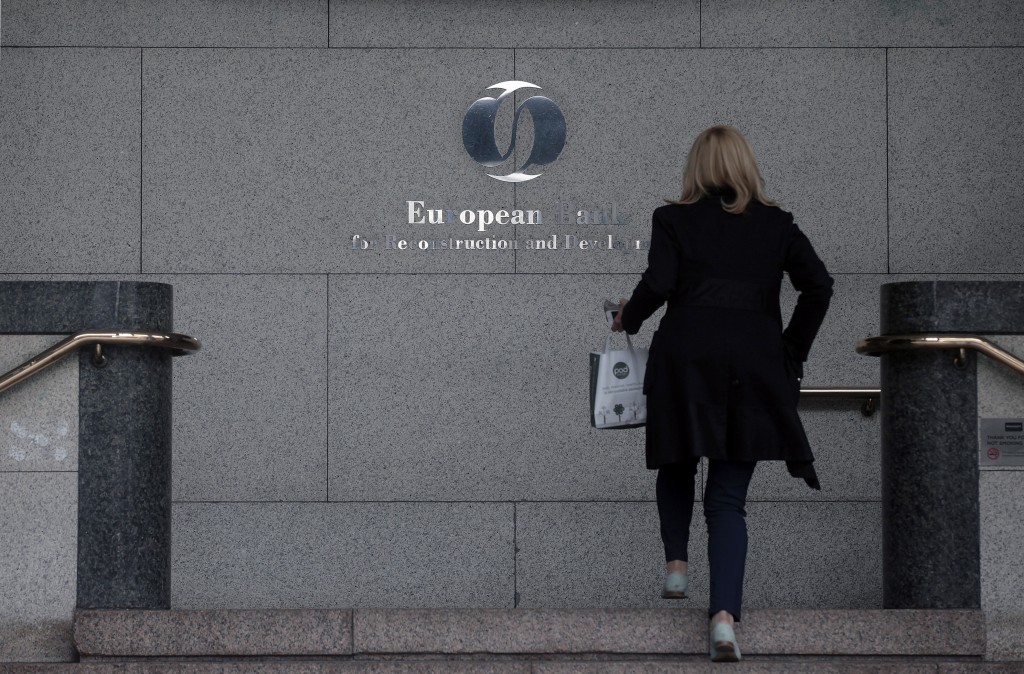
{"type": "Point", "coordinates": [548, 131]}
{"type": "Point", "coordinates": [478, 137]}
{"type": "Point", "coordinates": [1002, 442]}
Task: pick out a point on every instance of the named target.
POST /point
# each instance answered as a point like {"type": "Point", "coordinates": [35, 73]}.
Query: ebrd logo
{"type": "Point", "coordinates": [548, 131]}
{"type": "Point", "coordinates": [620, 370]}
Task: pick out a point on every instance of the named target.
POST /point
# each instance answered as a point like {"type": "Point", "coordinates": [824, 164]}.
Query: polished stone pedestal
{"type": "Point", "coordinates": [124, 464]}
{"type": "Point", "coordinates": [930, 505]}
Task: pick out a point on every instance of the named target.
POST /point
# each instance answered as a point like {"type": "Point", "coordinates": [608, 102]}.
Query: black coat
{"type": "Point", "coordinates": [723, 376]}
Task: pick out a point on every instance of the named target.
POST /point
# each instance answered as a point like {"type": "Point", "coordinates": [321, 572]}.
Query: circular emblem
{"type": "Point", "coordinates": [993, 453]}
{"type": "Point", "coordinates": [620, 370]}
{"type": "Point", "coordinates": [548, 131]}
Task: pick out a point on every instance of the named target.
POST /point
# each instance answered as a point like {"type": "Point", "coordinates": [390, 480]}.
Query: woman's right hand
{"type": "Point", "coordinates": [617, 323]}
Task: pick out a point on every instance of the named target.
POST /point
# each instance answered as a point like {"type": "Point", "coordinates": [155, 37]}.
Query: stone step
{"type": "Point", "coordinates": [521, 631]}
{"type": "Point", "coordinates": [791, 665]}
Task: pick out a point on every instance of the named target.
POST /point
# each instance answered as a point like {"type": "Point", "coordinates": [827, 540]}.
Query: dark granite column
{"type": "Point", "coordinates": [931, 528]}
{"type": "Point", "coordinates": [124, 451]}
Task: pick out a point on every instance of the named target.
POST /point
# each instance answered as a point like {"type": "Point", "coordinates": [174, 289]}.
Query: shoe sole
{"type": "Point", "coordinates": [724, 652]}
{"type": "Point", "coordinates": [673, 595]}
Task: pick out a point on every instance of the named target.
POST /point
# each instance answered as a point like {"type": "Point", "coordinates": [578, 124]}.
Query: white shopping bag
{"type": "Point", "coordinates": [617, 397]}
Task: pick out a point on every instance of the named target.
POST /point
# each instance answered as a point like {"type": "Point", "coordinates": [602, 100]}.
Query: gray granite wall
{"type": "Point", "coordinates": [1001, 493]}
{"type": "Point", "coordinates": [409, 428]}
{"type": "Point", "coordinates": [38, 504]}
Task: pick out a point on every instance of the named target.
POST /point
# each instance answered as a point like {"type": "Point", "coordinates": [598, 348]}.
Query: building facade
{"type": "Point", "coordinates": [363, 411]}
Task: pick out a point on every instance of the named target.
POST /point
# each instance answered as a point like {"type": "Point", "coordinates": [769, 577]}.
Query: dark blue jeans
{"type": "Point", "coordinates": [725, 498]}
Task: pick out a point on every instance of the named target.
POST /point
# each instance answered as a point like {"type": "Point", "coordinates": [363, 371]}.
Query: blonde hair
{"type": "Point", "coordinates": [721, 157]}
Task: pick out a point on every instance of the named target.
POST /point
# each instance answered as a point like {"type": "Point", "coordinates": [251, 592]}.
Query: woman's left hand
{"type": "Point", "coordinates": [617, 323]}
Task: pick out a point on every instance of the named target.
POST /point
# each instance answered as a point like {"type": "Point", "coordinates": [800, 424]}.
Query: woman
{"type": "Point", "coordinates": [723, 376]}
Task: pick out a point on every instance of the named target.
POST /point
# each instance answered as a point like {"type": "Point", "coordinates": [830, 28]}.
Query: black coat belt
{"type": "Point", "coordinates": [724, 292]}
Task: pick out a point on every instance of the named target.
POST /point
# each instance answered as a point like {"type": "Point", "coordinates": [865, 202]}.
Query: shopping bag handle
{"type": "Point", "coordinates": [608, 342]}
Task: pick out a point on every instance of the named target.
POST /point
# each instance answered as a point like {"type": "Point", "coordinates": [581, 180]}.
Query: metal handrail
{"type": "Point", "coordinates": [876, 346]}
{"type": "Point", "coordinates": [180, 345]}
{"type": "Point", "coordinates": [871, 396]}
